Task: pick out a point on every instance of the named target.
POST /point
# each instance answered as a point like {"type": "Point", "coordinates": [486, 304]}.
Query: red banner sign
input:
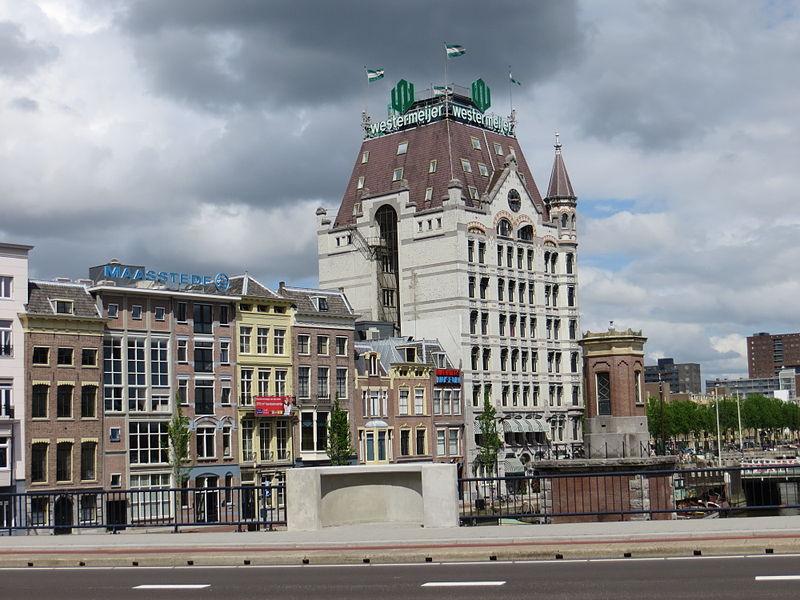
{"type": "Point", "coordinates": [267, 406]}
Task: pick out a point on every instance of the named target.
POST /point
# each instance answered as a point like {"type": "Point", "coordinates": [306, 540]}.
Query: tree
{"type": "Point", "coordinates": [179, 436]}
{"type": "Point", "coordinates": [490, 439]}
{"type": "Point", "coordinates": [340, 443]}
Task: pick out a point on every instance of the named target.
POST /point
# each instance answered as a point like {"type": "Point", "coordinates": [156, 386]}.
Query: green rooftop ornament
{"type": "Point", "coordinates": [402, 96]}
{"type": "Point", "coordinates": [481, 95]}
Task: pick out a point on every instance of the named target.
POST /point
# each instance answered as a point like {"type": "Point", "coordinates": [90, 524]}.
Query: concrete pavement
{"type": "Point", "coordinates": [386, 543]}
{"type": "Point", "coordinates": [690, 578]}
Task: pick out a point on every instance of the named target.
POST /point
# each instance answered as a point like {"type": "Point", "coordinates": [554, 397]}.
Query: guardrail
{"type": "Point", "coordinates": [61, 511]}
{"type": "Point", "coordinates": [620, 495]}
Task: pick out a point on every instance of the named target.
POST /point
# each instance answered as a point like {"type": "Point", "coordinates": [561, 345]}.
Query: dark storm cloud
{"type": "Point", "coordinates": [216, 54]}
{"type": "Point", "coordinates": [19, 55]}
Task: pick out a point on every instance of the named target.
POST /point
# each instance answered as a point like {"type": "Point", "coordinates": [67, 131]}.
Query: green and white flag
{"type": "Point", "coordinates": [511, 78]}
{"type": "Point", "coordinates": [441, 90]}
{"type": "Point", "coordinates": [454, 50]}
{"type": "Point", "coordinates": [374, 75]}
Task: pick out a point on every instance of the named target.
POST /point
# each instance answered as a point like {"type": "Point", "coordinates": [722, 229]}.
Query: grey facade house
{"type": "Point", "coordinates": [683, 378]}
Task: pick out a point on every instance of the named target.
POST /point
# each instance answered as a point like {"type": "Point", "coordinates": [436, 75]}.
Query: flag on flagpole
{"type": "Point", "coordinates": [454, 50]}
{"type": "Point", "coordinates": [511, 78]}
{"type": "Point", "coordinates": [441, 90]}
{"type": "Point", "coordinates": [374, 74]}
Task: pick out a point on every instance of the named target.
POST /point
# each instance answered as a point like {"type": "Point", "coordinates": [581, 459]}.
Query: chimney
{"type": "Point", "coordinates": [281, 286]}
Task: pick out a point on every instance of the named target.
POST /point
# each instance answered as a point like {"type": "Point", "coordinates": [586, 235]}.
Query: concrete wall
{"type": "Point", "coordinates": [419, 493]}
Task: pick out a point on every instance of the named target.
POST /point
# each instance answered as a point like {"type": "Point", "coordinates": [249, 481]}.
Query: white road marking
{"type": "Point", "coordinates": [172, 586]}
{"type": "Point", "coordinates": [778, 578]}
{"type": "Point", "coordinates": [463, 583]}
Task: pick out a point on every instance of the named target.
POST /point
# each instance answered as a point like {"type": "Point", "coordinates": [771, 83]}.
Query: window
{"type": "Point", "coordinates": [323, 383]}
{"type": "Point", "coordinates": [244, 339]}
{"type": "Point", "coordinates": [571, 296]}
{"type": "Point", "coordinates": [65, 357]}
{"type": "Point", "coordinates": [482, 252]}
{"type": "Point", "coordinates": [402, 148]}
{"type": "Point", "coordinates": [388, 298]}
{"type": "Point", "coordinates": [360, 183]}
{"type": "Point", "coordinates": [405, 442]}
{"type": "Point", "coordinates": [227, 442]}
{"type": "Point", "coordinates": [88, 402]}
{"type": "Point", "coordinates": [180, 312]}
{"type": "Point", "coordinates": [88, 461]}
{"type": "Point", "coordinates": [39, 401]}
{"type": "Point", "coordinates": [364, 157]}
{"type": "Point", "coordinates": [419, 401]}
{"type": "Point", "coordinates": [484, 287]}
{"type": "Point", "coordinates": [64, 307]}
{"type": "Point", "coordinates": [573, 329]}
{"type": "Point", "coordinates": [39, 462]}
{"type": "Point", "coordinates": [278, 339]}
{"type": "Point", "coordinates": [530, 261]}
{"type": "Point", "coordinates": [304, 382]}
{"type": "Point", "coordinates": [183, 356]}
{"type": "Point", "coordinates": [471, 250]}
{"type": "Point", "coordinates": [501, 289]}
{"type": "Point", "coordinates": [512, 287]}
{"type": "Point", "coordinates": [484, 323]}
{"type": "Point", "coordinates": [203, 357]}
{"type": "Point", "coordinates": [41, 355]}
{"type": "Point", "coordinates": [323, 345]}
{"type": "Point", "coordinates": [498, 149]}
{"type": "Point", "coordinates": [313, 431]}
{"type": "Point", "coordinates": [159, 366]}
{"type": "Point", "coordinates": [262, 340]}
{"type": "Point", "coordinates": [452, 439]}
{"type": "Point", "coordinates": [476, 143]}
{"type": "Point", "coordinates": [473, 192]}
{"type": "Point", "coordinates": [504, 229]}
{"type": "Point", "coordinates": [203, 318]}
{"type": "Point", "coordinates": [341, 383]}
{"type": "Point", "coordinates": [149, 443]}
{"type": "Point", "coordinates": [160, 313]}
{"type": "Point", "coordinates": [603, 381]}
{"type": "Point", "coordinates": [280, 382]}
{"type": "Point", "coordinates": [112, 375]}
{"type": "Point", "coordinates": [402, 403]}
{"type": "Point", "coordinates": [471, 286]}
{"type": "Point", "coordinates": [432, 166]}
{"type": "Point", "coordinates": [440, 442]}
{"type": "Point", "coordinates": [6, 290]}
{"type": "Point", "coordinates": [637, 386]}
{"type": "Point", "coordinates": [64, 461]}
{"type": "Point", "coordinates": [397, 174]}
{"type": "Point", "coordinates": [225, 352]}
{"type": "Point", "coordinates": [248, 453]}
{"type": "Point", "coordinates": [152, 503]}
{"type": "Point", "coordinates": [224, 315]}
{"type": "Point", "coordinates": [204, 397]}
{"type": "Point", "coordinates": [487, 358]}
{"type": "Point", "coordinates": [569, 264]}
{"type": "Point", "coordinates": [466, 165]}
{"type": "Point", "coordinates": [373, 364]}
{"type": "Point", "coordinates": [64, 402]}
{"type": "Point", "coordinates": [483, 169]}
{"type": "Point", "coordinates": [428, 194]}
{"type": "Point", "coordinates": [374, 403]}
{"type": "Point", "coordinates": [473, 322]}
{"type": "Point", "coordinates": [206, 442]}
{"type": "Point", "coordinates": [341, 346]}
{"type": "Point", "coordinates": [421, 446]}
{"type": "Point", "coordinates": [4, 452]}
{"type": "Point", "coordinates": [136, 312]}
{"type": "Point", "coordinates": [304, 344]}
{"type": "Point", "coordinates": [89, 357]}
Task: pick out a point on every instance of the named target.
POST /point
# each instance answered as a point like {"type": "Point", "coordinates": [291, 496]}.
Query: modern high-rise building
{"type": "Point", "coordinates": [683, 378]}
{"type": "Point", "coordinates": [768, 353]}
{"type": "Point", "coordinates": [442, 231]}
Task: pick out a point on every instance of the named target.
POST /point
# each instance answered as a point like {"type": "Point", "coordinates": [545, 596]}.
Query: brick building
{"type": "Point", "coordinates": [64, 423]}
{"type": "Point", "coordinates": [405, 414]}
{"type": "Point", "coordinates": [166, 349]}
{"type": "Point", "coordinates": [323, 358]}
{"type": "Point", "coordinates": [768, 354]}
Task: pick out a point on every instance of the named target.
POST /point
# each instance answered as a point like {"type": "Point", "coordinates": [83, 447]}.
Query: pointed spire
{"type": "Point", "coordinates": [560, 185]}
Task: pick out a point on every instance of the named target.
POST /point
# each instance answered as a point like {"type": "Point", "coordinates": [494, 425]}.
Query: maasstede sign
{"type": "Point", "coordinates": [115, 271]}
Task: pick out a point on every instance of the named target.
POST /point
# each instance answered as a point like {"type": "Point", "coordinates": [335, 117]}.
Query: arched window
{"type": "Point", "coordinates": [573, 221]}
{"type": "Point", "coordinates": [564, 220]}
{"type": "Point", "coordinates": [525, 233]}
{"type": "Point", "coordinates": [504, 228]}
{"type": "Point", "coordinates": [475, 352]}
{"type": "Point", "coordinates": [570, 261]}
{"type": "Point", "coordinates": [546, 262]}
{"type": "Point", "coordinates": [553, 262]}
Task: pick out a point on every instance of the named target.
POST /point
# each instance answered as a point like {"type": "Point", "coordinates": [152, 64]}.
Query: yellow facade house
{"type": "Point", "coordinates": [264, 373]}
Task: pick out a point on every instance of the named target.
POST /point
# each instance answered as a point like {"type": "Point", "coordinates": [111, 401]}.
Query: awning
{"type": "Point", "coordinates": [511, 426]}
{"type": "Point", "coordinates": [512, 466]}
{"type": "Point", "coordinates": [376, 424]}
{"type": "Point", "coordinates": [537, 426]}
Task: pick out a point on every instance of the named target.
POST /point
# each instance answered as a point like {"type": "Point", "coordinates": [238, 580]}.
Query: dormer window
{"type": "Point", "coordinates": [476, 143]}
{"type": "Point", "coordinates": [356, 208]}
{"type": "Point", "coordinates": [498, 149]}
{"type": "Point", "coordinates": [473, 193]}
{"type": "Point", "coordinates": [397, 174]}
{"type": "Point", "coordinates": [402, 148]}
{"type": "Point", "coordinates": [432, 166]}
{"type": "Point", "coordinates": [360, 184]}
{"type": "Point", "coordinates": [483, 169]}
{"type": "Point", "coordinates": [64, 307]}
{"type": "Point", "coordinates": [322, 304]}
{"type": "Point", "coordinates": [439, 360]}
{"type": "Point", "coordinates": [428, 194]}
{"type": "Point", "coordinates": [364, 157]}
{"type": "Point", "coordinates": [411, 355]}
{"type": "Point", "coordinates": [466, 165]}
{"type": "Point", "coordinates": [373, 364]}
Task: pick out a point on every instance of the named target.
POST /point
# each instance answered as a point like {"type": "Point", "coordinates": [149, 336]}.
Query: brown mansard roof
{"type": "Point", "coordinates": [43, 294]}
{"type": "Point", "coordinates": [426, 143]}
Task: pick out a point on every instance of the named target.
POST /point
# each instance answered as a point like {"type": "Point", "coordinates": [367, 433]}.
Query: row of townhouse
{"type": "Point", "coordinates": [93, 370]}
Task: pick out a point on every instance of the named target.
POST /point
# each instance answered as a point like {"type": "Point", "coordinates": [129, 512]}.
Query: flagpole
{"type": "Point", "coordinates": [447, 116]}
{"type": "Point", "coordinates": [510, 91]}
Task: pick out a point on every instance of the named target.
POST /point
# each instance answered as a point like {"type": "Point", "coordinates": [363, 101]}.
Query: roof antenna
{"type": "Point", "coordinates": [558, 144]}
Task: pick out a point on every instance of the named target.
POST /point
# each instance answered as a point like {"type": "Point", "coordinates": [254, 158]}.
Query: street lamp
{"type": "Point", "coordinates": [719, 436]}
{"type": "Point", "coordinates": [739, 416]}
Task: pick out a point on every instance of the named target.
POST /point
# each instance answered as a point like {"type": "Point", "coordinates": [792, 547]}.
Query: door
{"type": "Point", "coordinates": [63, 515]}
{"type": "Point", "coordinates": [207, 499]}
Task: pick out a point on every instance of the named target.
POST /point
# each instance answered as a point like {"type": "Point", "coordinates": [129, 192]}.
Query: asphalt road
{"type": "Point", "coordinates": [695, 578]}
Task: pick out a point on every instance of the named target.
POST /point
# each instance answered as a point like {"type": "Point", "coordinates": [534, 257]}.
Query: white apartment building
{"type": "Point", "coordinates": [13, 298]}
{"type": "Point", "coordinates": [442, 231]}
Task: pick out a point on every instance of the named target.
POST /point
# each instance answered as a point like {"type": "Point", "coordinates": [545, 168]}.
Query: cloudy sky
{"type": "Point", "coordinates": [199, 134]}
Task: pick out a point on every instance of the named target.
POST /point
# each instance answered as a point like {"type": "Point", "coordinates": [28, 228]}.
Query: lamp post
{"type": "Point", "coordinates": [739, 416]}
{"type": "Point", "coordinates": [719, 435]}
{"type": "Point", "coordinates": [663, 443]}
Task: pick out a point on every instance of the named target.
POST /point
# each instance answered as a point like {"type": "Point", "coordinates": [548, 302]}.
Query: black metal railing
{"type": "Point", "coordinates": [61, 511]}
{"type": "Point", "coordinates": [621, 495]}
